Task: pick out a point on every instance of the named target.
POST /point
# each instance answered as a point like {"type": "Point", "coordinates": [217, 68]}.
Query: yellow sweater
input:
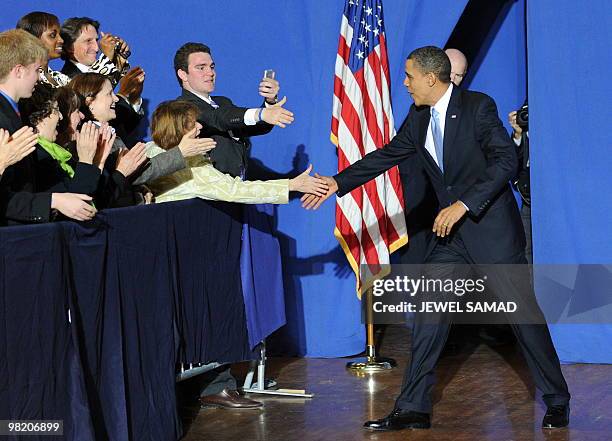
{"type": "Point", "coordinates": [201, 180]}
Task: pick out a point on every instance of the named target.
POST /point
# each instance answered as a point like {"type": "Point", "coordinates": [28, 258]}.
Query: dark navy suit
{"type": "Point", "coordinates": [18, 202]}
{"type": "Point", "coordinates": [479, 160]}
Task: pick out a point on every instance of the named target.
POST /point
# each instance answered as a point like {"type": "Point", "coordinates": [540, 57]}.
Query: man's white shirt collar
{"type": "Point", "coordinates": [442, 105]}
{"type": "Point", "coordinates": [208, 99]}
{"type": "Point", "coordinates": [81, 66]}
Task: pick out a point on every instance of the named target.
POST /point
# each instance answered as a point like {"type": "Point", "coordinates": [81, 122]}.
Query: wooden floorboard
{"type": "Point", "coordinates": [482, 394]}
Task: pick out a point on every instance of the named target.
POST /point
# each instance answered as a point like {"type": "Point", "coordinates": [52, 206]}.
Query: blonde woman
{"type": "Point", "coordinates": [175, 123]}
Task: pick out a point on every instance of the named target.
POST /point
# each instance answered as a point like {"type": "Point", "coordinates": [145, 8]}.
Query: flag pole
{"type": "Point", "coordinates": [371, 363]}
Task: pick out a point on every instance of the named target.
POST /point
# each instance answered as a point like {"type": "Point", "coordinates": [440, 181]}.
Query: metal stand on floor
{"type": "Point", "coordinates": [371, 363]}
{"type": "Point", "coordinates": [189, 370]}
{"type": "Point", "coordinates": [260, 386]}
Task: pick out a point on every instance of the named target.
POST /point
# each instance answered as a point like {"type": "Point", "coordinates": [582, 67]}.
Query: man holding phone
{"type": "Point", "coordinates": [229, 125]}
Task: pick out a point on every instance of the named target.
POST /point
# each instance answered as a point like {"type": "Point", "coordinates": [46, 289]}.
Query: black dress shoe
{"type": "Point", "coordinates": [556, 417]}
{"type": "Point", "coordinates": [398, 420]}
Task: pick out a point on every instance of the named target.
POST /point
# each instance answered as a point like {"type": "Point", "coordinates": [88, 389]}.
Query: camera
{"type": "Point", "coordinates": [522, 117]}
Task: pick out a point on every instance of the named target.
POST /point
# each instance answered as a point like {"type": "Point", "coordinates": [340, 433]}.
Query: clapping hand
{"type": "Point", "coordinates": [131, 85]}
{"type": "Point", "coordinates": [128, 161]}
{"type": "Point", "coordinates": [105, 145]}
{"type": "Point", "coordinates": [14, 148]}
{"type": "Point", "coordinates": [87, 142]}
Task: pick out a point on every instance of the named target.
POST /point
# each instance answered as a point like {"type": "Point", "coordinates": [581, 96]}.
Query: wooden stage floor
{"type": "Point", "coordinates": [482, 394]}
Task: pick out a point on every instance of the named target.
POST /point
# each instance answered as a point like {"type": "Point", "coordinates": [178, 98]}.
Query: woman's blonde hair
{"type": "Point", "coordinates": [171, 120]}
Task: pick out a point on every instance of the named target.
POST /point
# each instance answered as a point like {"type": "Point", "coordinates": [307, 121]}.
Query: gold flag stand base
{"type": "Point", "coordinates": [371, 363]}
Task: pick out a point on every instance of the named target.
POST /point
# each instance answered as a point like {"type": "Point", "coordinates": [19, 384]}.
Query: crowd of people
{"type": "Point", "coordinates": [69, 144]}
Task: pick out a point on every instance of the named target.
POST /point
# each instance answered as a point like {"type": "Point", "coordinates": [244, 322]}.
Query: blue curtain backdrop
{"type": "Point", "coordinates": [299, 40]}
{"type": "Point", "coordinates": [569, 99]}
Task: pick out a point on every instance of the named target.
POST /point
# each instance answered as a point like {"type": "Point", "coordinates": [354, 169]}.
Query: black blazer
{"type": "Point", "coordinates": [224, 125]}
{"type": "Point", "coordinates": [51, 177]}
{"type": "Point", "coordinates": [479, 161]}
{"type": "Point", "coordinates": [18, 202]}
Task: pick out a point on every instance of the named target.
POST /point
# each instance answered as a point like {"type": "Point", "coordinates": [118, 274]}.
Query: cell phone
{"type": "Point", "coordinates": [269, 73]}
{"type": "Point", "coordinates": [126, 54]}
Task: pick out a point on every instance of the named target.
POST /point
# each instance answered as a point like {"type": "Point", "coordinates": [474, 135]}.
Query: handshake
{"type": "Point", "coordinates": [317, 189]}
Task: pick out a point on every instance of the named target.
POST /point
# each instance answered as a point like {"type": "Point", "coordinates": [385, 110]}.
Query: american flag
{"type": "Point", "coordinates": [370, 221]}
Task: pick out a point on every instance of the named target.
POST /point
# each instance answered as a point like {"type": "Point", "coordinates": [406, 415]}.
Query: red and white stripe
{"type": "Point", "coordinates": [370, 221]}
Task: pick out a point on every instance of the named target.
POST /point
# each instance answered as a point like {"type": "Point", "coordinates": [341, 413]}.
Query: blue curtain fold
{"type": "Point", "coordinates": [569, 96]}
{"type": "Point", "coordinates": [147, 288]}
{"type": "Point", "coordinates": [40, 371]}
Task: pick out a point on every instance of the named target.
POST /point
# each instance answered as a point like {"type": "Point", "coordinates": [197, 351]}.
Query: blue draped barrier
{"type": "Point", "coordinates": [147, 288]}
{"type": "Point", "coordinates": [40, 368]}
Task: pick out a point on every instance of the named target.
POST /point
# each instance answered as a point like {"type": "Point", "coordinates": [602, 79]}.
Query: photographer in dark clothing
{"type": "Point", "coordinates": [519, 120]}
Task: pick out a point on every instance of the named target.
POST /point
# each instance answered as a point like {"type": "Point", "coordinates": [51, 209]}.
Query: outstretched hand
{"type": "Point", "coordinates": [192, 146]}
{"type": "Point", "coordinates": [305, 183]}
{"type": "Point", "coordinates": [314, 201]}
{"type": "Point", "coordinates": [277, 115]}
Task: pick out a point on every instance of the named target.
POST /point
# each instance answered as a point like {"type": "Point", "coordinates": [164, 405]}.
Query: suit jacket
{"type": "Point", "coordinates": [18, 202]}
{"type": "Point", "coordinates": [226, 126]}
{"type": "Point", "coordinates": [479, 161]}
{"type": "Point", "coordinates": [51, 177]}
